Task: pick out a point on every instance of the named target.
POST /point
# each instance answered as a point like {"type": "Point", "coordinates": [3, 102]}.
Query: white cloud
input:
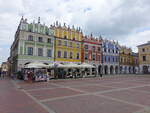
{"type": "Point", "coordinates": [136, 39]}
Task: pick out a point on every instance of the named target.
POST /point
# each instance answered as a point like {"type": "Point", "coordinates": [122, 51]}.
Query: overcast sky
{"type": "Point", "coordinates": [127, 21]}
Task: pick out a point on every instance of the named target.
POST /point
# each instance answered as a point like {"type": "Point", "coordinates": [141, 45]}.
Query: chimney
{"type": "Point", "coordinates": [56, 23]}
{"type": "Point", "coordinates": [38, 20]}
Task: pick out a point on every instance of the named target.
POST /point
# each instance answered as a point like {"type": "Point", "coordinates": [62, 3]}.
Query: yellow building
{"type": "Point", "coordinates": [67, 43]}
{"type": "Point", "coordinates": [126, 60]}
{"type": "Point", "coordinates": [144, 58]}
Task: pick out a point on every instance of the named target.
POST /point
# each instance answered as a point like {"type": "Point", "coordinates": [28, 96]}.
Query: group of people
{"type": "Point", "coordinates": [35, 76]}
{"type": "Point", "coordinates": [2, 74]}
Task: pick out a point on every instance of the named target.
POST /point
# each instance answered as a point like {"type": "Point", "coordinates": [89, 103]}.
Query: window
{"type": "Point", "coordinates": [65, 37]}
{"type": "Point", "coordinates": [78, 45]}
{"type": "Point", "coordinates": [144, 58]}
{"type": "Point", "coordinates": [65, 54]}
{"type": "Point", "coordinates": [113, 59]}
{"type": "Point", "coordinates": [71, 55]}
{"type": "Point", "coordinates": [93, 57]}
{"type": "Point", "coordinates": [86, 56]}
{"type": "Point", "coordinates": [65, 43]}
{"type": "Point", "coordinates": [48, 40]}
{"type": "Point", "coordinates": [30, 38]}
{"type": "Point", "coordinates": [121, 60]}
{"type": "Point", "coordinates": [49, 53]}
{"type": "Point", "coordinates": [113, 51]}
{"type": "Point", "coordinates": [40, 52]}
{"type": "Point", "coordinates": [143, 50]}
{"type": "Point", "coordinates": [86, 47]}
{"type": "Point", "coordinates": [40, 39]}
{"type": "Point", "coordinates": [105, 50]}
{"type": "Point", "coordinates": [93, 48]}
{"type": "Point", "coordinates": [116, 51]}
{"type": "Point", "coordinates": [59, 54]}
{"type": "Point", "coordinates": [70, 44]}
{"type": "Point", "coordinates": [105, 59]}
{"type": "Point", "coordinates": [98, 58]}
{"type": "Point", "coordinates": [108, 59]}
{"type": "Point", "coordinates": [59, 42]}
{"type": "Point", "coordinates": [30, 50]}
{"type": "Point", "coordinates": [109, 50]}
{"type": "Point", "coordinates": [78, 55]}
{"type": "Point", "coordinates": [99, 49]}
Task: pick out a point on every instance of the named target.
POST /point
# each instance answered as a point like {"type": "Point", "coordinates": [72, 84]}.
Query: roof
{"type": "Point", "coordinates": [148, 43]}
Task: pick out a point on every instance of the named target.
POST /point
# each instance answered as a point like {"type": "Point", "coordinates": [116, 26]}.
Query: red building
{"type": "Point", "coordinates": [92, 52]}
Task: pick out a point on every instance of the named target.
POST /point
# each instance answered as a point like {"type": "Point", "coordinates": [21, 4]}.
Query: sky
{"type": "Point", "coordinates": [125, 21]}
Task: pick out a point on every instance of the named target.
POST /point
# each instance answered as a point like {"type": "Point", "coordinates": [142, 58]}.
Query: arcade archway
{"type": "Point", "coordinates": [145, 69]}
{"type": "Point", "coordinates": [116, 69]}
{"type": "Point", "coordinates": [106, 69]}
{"type": "Point", "coordinates": [111, 70]}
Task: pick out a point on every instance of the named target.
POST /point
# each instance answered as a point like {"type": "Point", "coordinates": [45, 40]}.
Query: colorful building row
{"type": "Point", "coordinates": [36, 42]}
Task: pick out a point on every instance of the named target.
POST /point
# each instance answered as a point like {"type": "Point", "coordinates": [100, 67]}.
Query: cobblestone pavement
{"type": "Point", "coordinates": [112, 94]}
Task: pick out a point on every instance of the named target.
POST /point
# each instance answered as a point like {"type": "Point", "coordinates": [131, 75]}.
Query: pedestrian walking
{"type": "Point", "coordinates": [29, 76]}
{"type": "Point", "coordinates": [0, 73]}
{"type": "Point", "coordinates": [101, 75]}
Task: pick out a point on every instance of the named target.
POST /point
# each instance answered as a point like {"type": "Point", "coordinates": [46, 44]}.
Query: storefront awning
{"type": "Point", "coordinates": [36, 65]}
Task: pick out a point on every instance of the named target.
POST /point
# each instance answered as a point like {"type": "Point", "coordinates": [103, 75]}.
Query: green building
{"type": "Point", "coordinates": [34, 42]}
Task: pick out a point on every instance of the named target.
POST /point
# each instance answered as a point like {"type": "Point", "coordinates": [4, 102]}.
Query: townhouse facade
{"type": "Point", "coordinates": [33, 42]}
{"type": "Point", "coordinates": [92, 53]}
{"type": "Point", "coordinates": [68, 43]}
{"type": "Point", "coordinates": [135, 63]}
{"type": "Point", "coordinates": [110, 58]}
{"type": "Point", "coordinates": [144, 58]}
{"type": "Point", "coordinates": [126, 60]}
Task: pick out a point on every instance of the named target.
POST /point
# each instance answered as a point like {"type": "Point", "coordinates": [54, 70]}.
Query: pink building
{"type": "Point", "coordinates": [92, 53]}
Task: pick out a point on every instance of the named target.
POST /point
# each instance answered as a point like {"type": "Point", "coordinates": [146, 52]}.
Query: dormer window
{"type": "Point", "coordinates": [46, 33]}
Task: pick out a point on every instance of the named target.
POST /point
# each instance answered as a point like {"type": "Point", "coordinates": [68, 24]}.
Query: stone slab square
{"type": "Point", "coordinates": [93, 88]}
{"type": "Point", "coordinates": [31, 86]}
{"type": "Point", "coordinates": [53, 93]}
{"type": "Point", "coordinates": [133, 96]}
{"type": "Point", "coordinates": [90, 104]}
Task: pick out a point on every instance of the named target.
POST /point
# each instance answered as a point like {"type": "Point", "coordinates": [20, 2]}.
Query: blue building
{"type": "Point", "coordinates": [110, 57]}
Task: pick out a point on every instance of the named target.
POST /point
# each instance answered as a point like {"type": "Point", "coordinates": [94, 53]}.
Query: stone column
{"type": "Point", "coordinates": [90, 71]}
{"type": "Point", "coordinates": [114, 72]}
{"type": "Point", "coordinates": [108, 69]}
{"type": "Point", "coordinates": [118, 69]}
